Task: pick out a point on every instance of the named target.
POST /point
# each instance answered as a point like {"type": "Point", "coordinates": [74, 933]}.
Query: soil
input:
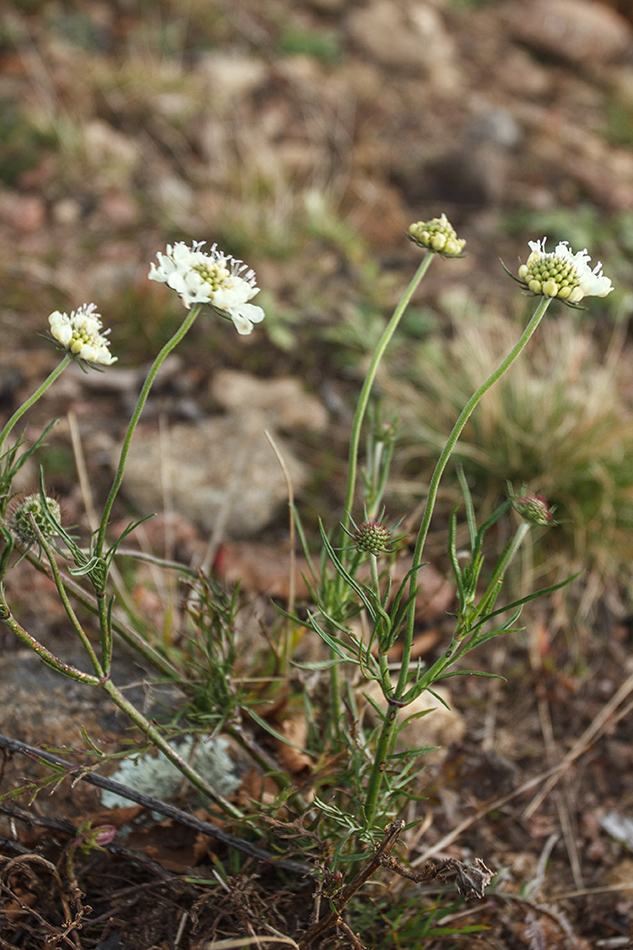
{"type": "Point", "coordinates": [126, 126]}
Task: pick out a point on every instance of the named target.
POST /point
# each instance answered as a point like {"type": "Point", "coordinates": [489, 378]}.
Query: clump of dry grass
{"type": "Point", "coordinates": [560, 423]}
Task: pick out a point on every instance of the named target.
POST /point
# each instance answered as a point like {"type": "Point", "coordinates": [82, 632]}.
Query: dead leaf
{"type": "Point", "coordinates": [295, 730]}
{"type": "Point", "coordinates": [256, 787]}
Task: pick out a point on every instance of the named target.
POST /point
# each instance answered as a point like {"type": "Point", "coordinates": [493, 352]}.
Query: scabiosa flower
{"type": "Point", "coordinates": [563, 274]}
{"type": "Point", "coordinates": [80, 334]}
{"type": "Point", "coordinates": [214, 278]}
{"type": "Point", "coordinates": [437, 235]}
{"type": "Point", "coordinates": [533, 508]}
{"type": "Point", "coordinates": [29, 508]}
{"type": "Point", "coordinates": [372, 537]}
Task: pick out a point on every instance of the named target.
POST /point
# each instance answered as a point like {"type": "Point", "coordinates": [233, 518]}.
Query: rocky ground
{"type": "Point", "coordinates": [305, 137]}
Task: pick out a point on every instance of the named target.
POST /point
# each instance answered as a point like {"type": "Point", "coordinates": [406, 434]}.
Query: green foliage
{"type": "Point", "coordinates": [323, 45]}
{"type": "Point", "coordinates": [358, 775]}
{"type": "Point", "coordinates": [208, 660]}
{"type": "Point", "coordinates": [409, 922]}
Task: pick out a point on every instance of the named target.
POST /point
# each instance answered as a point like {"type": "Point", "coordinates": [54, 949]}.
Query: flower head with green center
{"type": "Point", "coordinates": [214, 278]}
{"type": "Point", "coordinates": [561, 273]}
{"type": "Point", "coordinates": [29, 509]}
{"type": "Point", "coordinates": [438, 236]}
{"type": "Point", "coordinates": [80, 334]}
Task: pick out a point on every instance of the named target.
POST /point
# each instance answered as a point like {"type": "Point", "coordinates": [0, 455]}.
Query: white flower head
{"type": "Point", "coordinates": [563, 274]}
{"type": "Point", "coordinates": [81, 334]}
{"type": "Point", "coordinates": [214, 278]}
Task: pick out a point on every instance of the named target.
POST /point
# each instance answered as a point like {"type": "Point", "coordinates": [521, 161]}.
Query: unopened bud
{"type": "Point", "coordinates": [372, 537]}
{"type": "Point", "coordinates": [29, 509]}
{"type": "Point", "coordinates": [437, 235]}
{"type": "Point", "coordinates": [533, 508]}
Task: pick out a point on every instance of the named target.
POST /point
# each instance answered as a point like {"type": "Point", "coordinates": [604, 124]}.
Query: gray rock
{"type": "Point", "coordinates": [222, 472]}
{"type": "Point", "coordinates": [217, 469]}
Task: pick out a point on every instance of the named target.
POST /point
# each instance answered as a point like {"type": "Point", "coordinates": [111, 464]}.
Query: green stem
{"type": "Point", "coordinates": [105, 625]}
{"type": "Point", "coordinates": [359, 416]}
{"type": "Point", "coordinates": [130, 636]}
{"type": "Point", "coordinates": [487, 600]}
{"type": "Point", "coordinates": [59, 369]}
{"type": "Point", "coordinates": [152, 733]}
{"type": "Point", "coordinates": [96, 665]}
{"type": "Point", "coordinates": [118, 478]}
{"type": "Point", "coordinates": [388, 732]}
{"type": "Point", "coordinates": [45, 655]}
{"type": "Point", "coordinates": [464, 416]}
{"type": "Point", "coordinates": [156, 737]}
{"type": "Point", "coordinates": [365, 392]}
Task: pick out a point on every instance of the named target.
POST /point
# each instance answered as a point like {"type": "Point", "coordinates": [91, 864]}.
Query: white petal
{"type": "Point", "coordinates": [242, 324]}
{"type": "Point", "coordinates": [537, 247]}
{"type": "Point", "coordinates": [252, 313]}
{"type": "Point", "coordinates": [63, 333]}
{"type": "Point", "coordinates": [233, 295]}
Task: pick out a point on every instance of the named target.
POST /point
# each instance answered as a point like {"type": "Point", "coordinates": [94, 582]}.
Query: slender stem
{"type": "Point", "coordinates": [118, 478]}
{"type": "Point", "coordinates": [375, 580]}
{"type": "Point", "coordinates": [45, 655]}
{"type": "Point", "coordinates": [332, 917]}
{"type": "Point", "coordinates": [119, 699]}
{"type": "Point", "coordinates": [105, 625]}
{"type": "Point", "coordinates": [352, 466]}
{"type": "Point", "coordinates": [497, 576]}
{"type": "Point", "coordinates": [365, 392]}
{"type": "Point", "coordinates": [388, 731]}
{"type": "Point", "coordinates": [168, 751]}
{"type": "Point", "coordinates": [96, 665]}
{"type": "Point", "coordinates": [33, 399]}
{"type": "Point", "coordinates": [375, 583]}
{"type": "Point", "coordinates": [156, 561]}
{"type": "Point", "coordinates": [464, 416]}
{"type": "Point", "coordinates": [130, 636]}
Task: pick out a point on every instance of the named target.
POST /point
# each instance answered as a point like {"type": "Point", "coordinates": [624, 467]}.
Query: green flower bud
{"type": "Point", "coordinates": [372, 537]}
{"type": "Point", "coordinates": [30, 509]}
{"type": "Point", "coordinates": [533, 509]}
{"type": "Point", "coordinates": [438, 236]}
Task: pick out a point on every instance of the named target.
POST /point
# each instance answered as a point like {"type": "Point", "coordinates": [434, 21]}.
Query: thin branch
{"type": "Point", "coordinates": [154, 804]}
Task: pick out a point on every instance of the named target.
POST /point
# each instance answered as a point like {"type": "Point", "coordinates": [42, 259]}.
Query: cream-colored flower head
{"type": "Point", "coordinates": [437, 235]}
{"type": "Point", "coordinates": [214, 278]}
{"type": "Point", "coordinates": [563, 274]}
{"type": "Point", "coordinates": [81, 334]}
